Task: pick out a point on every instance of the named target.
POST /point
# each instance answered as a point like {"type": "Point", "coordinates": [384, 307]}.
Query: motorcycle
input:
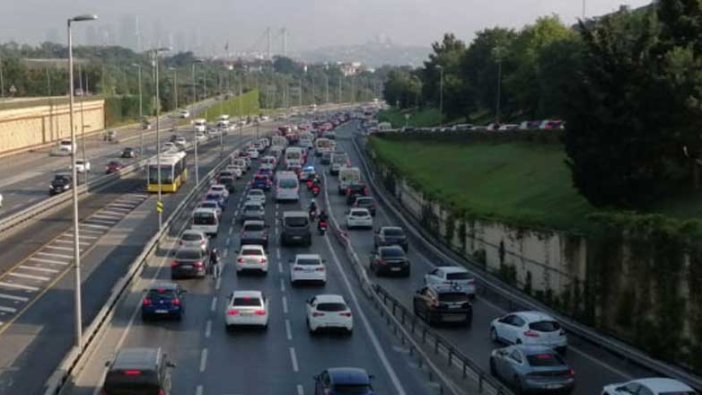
{"type": "Point", "coordinates": [322, 227]}
{"type": "Point", "coordinates": [315, 190]}
{"type": "Point", "coordinates": [313, 214]}
{"type": "Point", "coordinates": [309, 183]}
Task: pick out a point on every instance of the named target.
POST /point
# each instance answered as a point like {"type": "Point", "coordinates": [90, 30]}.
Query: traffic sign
{"type": "Point", "coordinates": [159, 206]}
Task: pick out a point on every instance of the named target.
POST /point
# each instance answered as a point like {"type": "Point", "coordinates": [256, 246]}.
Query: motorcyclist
{"type": "Point", "coordinates": [214, 261]}
{"type": "Point", "coordinates": [323, 216]}
{"type": "Point", "coordinates": [312, 209]}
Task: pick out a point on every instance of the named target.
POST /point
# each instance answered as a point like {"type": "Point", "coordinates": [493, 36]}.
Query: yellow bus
{"type": "Point", "coordinates": [174, 172]}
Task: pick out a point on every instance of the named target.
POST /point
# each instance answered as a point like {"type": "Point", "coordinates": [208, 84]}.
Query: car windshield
{"type": "Point", "coordinates": [256, 193]}
{"type": "Point", "coordinates": [545, 326]}
{"type": "Point", "coordinates": [393, 232]}
{"type": "Point", "coordinates": [392, 253]}
{"type": "Point", "coordinates": [209, 204]}
{"type": "Point", "coordinates": [296, 221]}
{"type": "Point", "coordinates": [161, 293]}
{"type": "Point", "coordinates": [453, 297]}
{"type": "Point", "coordinates": [364, 201]}
{"type": "Point", "coordinates": [287, 183]}
{"type": "Point", "coordinates": [253, 227]}
{"type": "Point", "coordinates": [191, 237]}
{"type": "Point", "coordinates": [188, 255]}
{"type": "Point", "coordinates": [457, 276]}
{"type": "Point", "coordinates": [251, 251]}
{"type": "Point", "coordinates": [204, 218]}
{"type": "Point", "coordinates": [308, 261]}
{"type": "Point", "coordinates": [545, 359]}
{"type": "Point", "coordinates": [247, 302]}
{"type": "Point", "coordinates": [252, 207]}
{"type": "Point", "coordinates": [332, 307]}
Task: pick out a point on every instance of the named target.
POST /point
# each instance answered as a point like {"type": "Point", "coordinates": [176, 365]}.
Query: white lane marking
{"type": "Point", "coordinates": [95, 226]}
{"type": "Point", "coordinates": [199, 390]}
{"type": "Point", "coordinates": [71, 242]}
{"type": "Point", "coordinates": [300, 390]}
{"type": "Point", "coordinates": [10, 310]}
{"type": "Point", "coordinates": [13, 297]}
{"type": "Point", "coordinates": [42, 260]}
{"type": "Point", "coordinates": [115, 217]}
{"type": "Point", "coordinates": [81, 236]}
{"type": "Point", "coordinates": [288, 330]}
{"type": "Point", "coordinates": [88, 231]}
{"type": "Point", "coordinates": [231, 230]}
{"type": "Point", "coordinates": [277, 253]}
{"type": "Point", "coordinates": [229, 240]}
{"type": "Point", "coordinates": [59, 248]}
{"type": "Point", "coordinates": [218, 283]}
{"type": "Point", "coordinates": [56, 255]}
{"type": "Point", "coordinates": [208, 329]}
{"type": "Point", "coordinates": [118, 206]}
{"type": "Point", "coordinates": [213, 305]}
{"type": "Point", "coordinates": [293, 359]}
{"type": "Point", "coordinates": [285, 305]}
{"type": "Point", "coordinates": [92, 220]}
{"type": "Point", "coordinates": [280, 266]}
{"type": "Point", "coordinates": [119, 209]}
{"type": "Point", "coordinates": [113, 212]}
{"type": "Point", "coordinates": [38, 269]}
{"type": "Point", "coordinates": [28, 276]}
{"type": "Point", "coordinates": [18, 286]}
{"type": "Point", "coordinates": [399, 389]}
{"type": "Point", "coordinates": [282, 285]}
{"type": "Point", "coordinates": [225, 253]}
{"type": "Point", "coordinates": [203, 360]}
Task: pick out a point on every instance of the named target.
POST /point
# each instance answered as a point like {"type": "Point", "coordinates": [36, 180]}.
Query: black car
{"type": "Point", "coordinates": [390, 260]}
{"type": "Point", "coordinates": [391, 235]}
{"type": "Point", "coordinates": [189, 263]}
{"type": "Point", "coordinates": [366, 202]}
{"type": "Point", "coordinates": [326, 158]}
{"type": "Point", "coordinates": [61, 183]}
{"type": "Point", "coordinates": [128, 152]}
{"type": "Point", "coordinates": [296, 229]}
{"type": "Point", "coordinates": [229, 182]}
{"type": "Point", "coordinates": [355, 191]}
{"type": "Point", "coordinates": [138, 371]}
{"type": "Point", "coordinates": [443, 303]}
{"type": "Point", "coordinates": [164, 299]}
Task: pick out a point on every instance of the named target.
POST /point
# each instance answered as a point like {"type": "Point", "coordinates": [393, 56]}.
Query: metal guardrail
{"type": "Point", "coordinates": [63, 372]}
{"type": "Point", "coordinates": [516, 300]}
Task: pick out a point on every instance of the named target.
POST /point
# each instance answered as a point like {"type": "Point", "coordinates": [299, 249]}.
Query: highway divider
{"type": "Point", "coordinates": [75, 357]}
{"type": "Point", "coordinates": [514, 299]}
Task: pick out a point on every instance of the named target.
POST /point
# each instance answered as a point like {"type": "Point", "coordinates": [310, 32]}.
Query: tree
{"type": "Point", "coordinates": [402, 88]}
{"type": "Point", "coordinates": [284, 65]}
{"type": "Point", "coordinates": [446, 56]}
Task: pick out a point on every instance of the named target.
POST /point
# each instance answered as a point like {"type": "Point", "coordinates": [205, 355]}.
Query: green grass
{"type": "Point", "coordinates": [421, 118]}
{"type": "Point", "coordinates": [246, 104]}
{"type": "Point", "coordinates": [518, 183]}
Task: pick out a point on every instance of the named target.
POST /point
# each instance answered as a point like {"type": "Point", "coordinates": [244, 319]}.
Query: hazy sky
{"type": "Point", "coordinates": [310, 23]}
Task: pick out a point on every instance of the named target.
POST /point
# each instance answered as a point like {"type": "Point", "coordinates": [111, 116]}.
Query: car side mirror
{"type": "Point", "coordinates": [371, 376]}
{"type": "Point", "coordinates": [170, 364]}
{"type": "Point", "coordinates": [107, 364]}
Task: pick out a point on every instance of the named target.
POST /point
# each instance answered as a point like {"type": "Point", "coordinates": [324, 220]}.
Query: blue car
{"type": "Point", "coordinates": [165, 300]}
{"type": "Point", "coordinates": [218, 198]}
{"type": "Point", "coordinates": [261, 182]}
{"type": "Point", "coordinates": [340, 381]}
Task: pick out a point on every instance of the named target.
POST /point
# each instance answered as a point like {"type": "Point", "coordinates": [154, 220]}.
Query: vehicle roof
{"type": "Point", "coordinates": [136, 358]}
{"type": "Point", "coordinates": [360, 209]}
{"type": "Point", "coordinates": [444, 288]}
{"type": "Point", "coordinates": [384, 228]}
{"type": "Point", "coordinates": [533, 316]}
{"type": "Point", "coordinates": [163, 285]}
{"type": "Point", "coordinates": [62, 175]}
{"type": "Point", "coordinates": [253, 222]}
{"type": "Point", "coordinates": [453, 269]}
{"type": "Point", "coordinates": [308, 256]}
{"type": "Point", "coordinates": [252, 247]}
{"type": "Point", "coordinates": [330, 298]}
{"type": "Point", "coordinates": [392, 247]}
{"type": "Point", "coordinates": [297, 213]}
{"type": "Point", "coordinates": [193, 231]}
{"type": "Point", "coordinates": [664, 384]}
{"type": "Point", "coordinates": [205, 210]}
{"type": "Point", "coordinates": [248, 294]}
{"type": "Point", "coordinates": [347, 375]}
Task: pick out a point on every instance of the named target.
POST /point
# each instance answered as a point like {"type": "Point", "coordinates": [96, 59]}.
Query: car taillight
{"type": "Point", "coordinates": [174, 264]}
{"type": "Point", "coordinates": [176, 302]}
{"type": "Point", "coordinates": [571, 372]}
{"type": "Point", "coordinates": [298, 269]}
{"type": "Point", "coordinates": [317, 314]}
{"type": "Point", "coordinates": [161, 392]}
{"type": "Point", "coordinates": [264, 260]}
{"type": "Point", "coordinates": [198, 264]}
{"type": "Point", "coordinates": [232, 312]}
{"type": "Point", "coordinates": [531, 334]}
{"type": "Point", "coordinates": [319, 269]}
{"type": "Point", "coordinates": [146, 302]}
{"type": "Point", "coordinates": [260, 312]}
{"type": "Point", "coordinates": [345, 314]}
{"type": "Point", "coordinates": [202, 242]}
{"type": "Point", "coordinates": [132, 372]}
{"type": "Point", "coordinates": [365, 191]}
{"type": "Point", "coordinates": [240, 260]}
{"type": "Point", "coordinates": [435, 303]}
{"type": "Point", "coordinates": [381, 262]}
{"type": "Point", "coordinates": [348, 191]}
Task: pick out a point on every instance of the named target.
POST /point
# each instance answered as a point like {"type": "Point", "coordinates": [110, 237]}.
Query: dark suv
{"type": "Point", "coordinates": [163, 300]}
{"type": "Point", "coordinates": [438, 303]}
{"type": "Point", "coordinates": [390, 260]}
{"type": "Point", "coordinates": [296, 228]}
{"type": "Point", "coordinates": [355, 191]}
{"type": "Point", "coordinates": [138, 371]}
{"type": "Point", "coordinates": [61, 183]}
{"type": "Point", "coordinates": [391, 235]}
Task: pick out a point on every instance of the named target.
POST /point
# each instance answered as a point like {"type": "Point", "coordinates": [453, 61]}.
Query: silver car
{"type": "Point", "coordinates": [254, 232]}
{"type": "Point", "coordinates": [535, 369]}
{"type": "Point", "coordinates": [194, 239]}
{"type": "Point", "coordinates": [252, 211]}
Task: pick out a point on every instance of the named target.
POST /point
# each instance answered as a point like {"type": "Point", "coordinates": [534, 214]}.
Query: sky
{"type": "Point", "coordinates": [210, 24]}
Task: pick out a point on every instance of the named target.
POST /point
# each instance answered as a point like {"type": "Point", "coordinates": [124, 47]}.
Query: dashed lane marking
{"type": "Point", "coordinates": [18, 286]}
{"type": "Point", "coordinates": [38, 269]}
{"type": "Point", "coordinates": [208, 329]}
{"type": "Point", "coordinates": [213, 305]}
{"type": "Point", "coordinates": [28, 276]}
{"type": "Point", "coordinates": [13, 297]}
{"type": "Point", "coordinates": [203, 360]}
{"type": "Point", "coordinates": [285, 305]}
{"type": "Point", "coordinates": [10, 310]}
{"type": "Point", "coordinates": [288, 330]}
{"type": "Point", "coordinates": [52, 261]}
{"type": "Point", "coordinates": [300, 390]}
{"type": "Point", "coordinates": [293, 359]}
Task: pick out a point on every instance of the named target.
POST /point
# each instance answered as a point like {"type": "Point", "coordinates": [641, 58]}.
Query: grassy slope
{"type": "Point", "coordinates": [421, 118]}
{"type": "Point", "coordinates": [249, 106]}
{"type": "Point", "coordinates": [517, 183]}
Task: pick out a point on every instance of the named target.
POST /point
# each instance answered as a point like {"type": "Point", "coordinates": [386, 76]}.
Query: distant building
{"type": "Point", "coordinates": [349, 69]}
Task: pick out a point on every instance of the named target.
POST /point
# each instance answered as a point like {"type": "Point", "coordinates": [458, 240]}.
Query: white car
{"type": "Point", "coordinates": [649, 386]}
{"type": "Point", "coordinates": [456, 276]}
{"type": "Point", "coordinates": [359, 218]}
{"type": "Point", "coordinates": [256, 195]}
{"type": "Point", "coordinates": [252, 153]}
{"type": "Point", "coordinates": [241, 163]}
{"type": "Point", "coordinates": [194, 239]}
{"type": "Point", "coordinates": [184, 114]}
{"type": "Point", "coordinates": [247, 308]}
{"type": "Point", "coordinates": [529, 327]}
{"type": "Point", "coordinates": [211, 204]}
{"type": "Point", "coordinates": [252, 257]}
{"type": "Point", "coordinates": [219, 188]}
{"type": "Point", "coordinates": [64, 147]}
{"type": "Point", "coordinates": [236, 170]}
{"type": "Point", "coordinates": [307, 267]}
{"type": "Point", "coordinates": [200, 136]}
{"type": "Point", "coordinates": [329, 312]}
{"type": "Point", "coordinates": [82, 166]}
{"type": "Point", "coordinates": [169, 147]}
{"type": "Point", "coordinates": [0, 200]}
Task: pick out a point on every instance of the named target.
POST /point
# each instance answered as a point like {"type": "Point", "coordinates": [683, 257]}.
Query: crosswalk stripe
{"type": "Point", "coordinates": [92, 220]}
{"type": "Point", "coordinates": [13, 297]}
{"type": "Point", "coordinates": [38, 269]}
{"type": "Point", "coordinates": [121, 205]}
{"type": "Point", "coordinates": [85, 243]}
{"type": "Point", "coordinates": [18, 286]}
{"type": "Point", "coordinates": [42, 260]}
{"type": "Point", "coordinates": [81, 236]}
{"type": "Point", "coordinates": [60, 248]}
{"type": "Point", "coordinates": [56, 255]}
{"type": "Point", "coordinates": [95, 226]}
{"type": "Point", "coordinates": [8, 309]}
{"type": "Point", "coordinates": [89, 231]}
{"type": "Point", "coordinates": [107, 216]}
{"type": "Point", "coordinates": [28, 276]}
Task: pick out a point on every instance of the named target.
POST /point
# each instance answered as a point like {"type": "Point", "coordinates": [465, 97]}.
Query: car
{"type": "Point", "coordinates": [261, 181]}
{"type": "Point", "coordinates": [169, 147]}
{"type": "Point", "coordinates": [128, 152]}
{"type": "Point", "coordinates": [550, 124]}
{"type": "Point", "coordinates": [390, 235]}
{"type": "Point", "coordinates": [442, 304]}
{"type": "Point", "coordinates": [252, 257]}
{"type": "Point", "coordinates": [326, 158]}
{"type": "Point", "coordinates": [82, 166]}
{"type": "Point", "coordinates": [113, 166]}
{"type": "Point", "coordinates": [189, 262]}
{"type": "Point", "coordinates": [649, 386]}
{"type": "Point", "coordinates": [329, 312]}
{"type": "Point", "coordinates": [354, 191]}
{"type": "Point", "coordinates": [456, 276]}
{"type": "Point", "coordinates": [252, 211]}
{"type": "Point", "coordinates": [390, 260]}
{"type": "Point", "coordinates": [217, 197]}
{"type": "Point", "coordinates": [236, 171]}
{"type": "Point", "coordinates": [307, 268]}
{"type": "Point", "coordinates": [242, 164]}
{"type": "Point", "coordinates": [211, 204]}
{"type": "Point", "coordinates": [359, 218]}
{"type": "Point", "coordinates": [508, 126]}
{"type": "Point", "coordinates": [200, 137]}
{"type": "Point", "coordinates": [529, 327]}
{"type": "Point", "coordinates": [296, 228]}
{"type": "Point", "coordinates": [246, 308]}
{"type": "Point", "coordinates": [252, 153]}
{"type": "Point", "coordinates": [194, 239]}
{"type": "Point", "coordinates": [254, 232]}
{"type": "Point", "coordinates": [219, 188]}
{"type": "Point", "coordinates": [343, 381]}
{"type": "Point", "coordinates": [366, 202]}
{"type": "Point", "coordinates": [163, 299]}
{"type": "Point", "coordinates": [184, 114]}
{"type": "Point", "coordinates": [533, 369]}
{"type": "Point", "coordinates": [61, 183]}
{"type": "Point", "coordinates": [307, 172]}
{"type": "Point", "coordinates": [256, 196]}
{"type": "Point", "coordinates": [229, 182]}
{"type": "Point", "coordinates": [138, 371]}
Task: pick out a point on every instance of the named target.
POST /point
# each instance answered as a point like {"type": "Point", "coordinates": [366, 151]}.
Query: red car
{"type": "Point", "coordinates": [113, 167]}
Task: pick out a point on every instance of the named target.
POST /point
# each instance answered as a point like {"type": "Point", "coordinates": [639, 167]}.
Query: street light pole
{"type": "Point", "coordinates": [2, 81]}
{"type": "Point", "coordinates": [141, 111]}
{"type": "Point", "coordinates": [74, 187]}
{"type": "Point", "coordinates": [192, 112]}
{"type": "Point", "coordinates": [497, 53]}
{"type": "Point", "coordinates": [155, 53]}
{"type": "Point", "coordinates": [175, 87]}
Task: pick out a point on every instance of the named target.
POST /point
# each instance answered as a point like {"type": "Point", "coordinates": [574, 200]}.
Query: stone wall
{"type": "Point", "coordinates": [35, 126]}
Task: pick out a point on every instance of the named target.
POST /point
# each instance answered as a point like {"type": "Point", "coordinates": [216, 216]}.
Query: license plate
{"type": "Point", "coordinates": [297, 237]}
{"type": "Point", "coordinates": [395, 269]}
{"type": "Point", "coordinates": [161, 311]}
{"type": "Point", "coordinates": [245, 314]}
{"type": "Point", "coordinates": [186, 267]}
{"type": "Point", "coordinates": [553, 386]}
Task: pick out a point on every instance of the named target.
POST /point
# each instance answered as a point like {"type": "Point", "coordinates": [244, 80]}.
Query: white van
{"type": "Point", "coordinates": [322, 145]}
{"type": "Point", "coordinates": [294, 156]}
{"type": "Point", "coordinates": [348, 176]}
{"type": "Point", "coordinates": [287, 187]}
{"type": "Point", "coordinates": [206, 221]}
{"type": "Point", "coordinates": [223, 122]}
{"type": "Point", "coordinates": [279, 141]}
{"type": "Point", "coordinates": [200, 125]}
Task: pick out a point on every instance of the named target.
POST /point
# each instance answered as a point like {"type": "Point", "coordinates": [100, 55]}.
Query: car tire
{"type": "Point", "coordinates": [493, 335]}
{"type": "Point", "coordinates": [518, 387]}
{"type": "Point", "coordinates": [407, 272]}
{"type": "Point", "coordinates": [493, 370]}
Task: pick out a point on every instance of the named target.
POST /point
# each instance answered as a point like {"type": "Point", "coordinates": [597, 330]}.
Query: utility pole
{"type": "Point", "coordinates": [2, 81]}
{"type": "Point", "coordinates": [268, 34]}
{"type": "Point", "coordinates": [339, 96]}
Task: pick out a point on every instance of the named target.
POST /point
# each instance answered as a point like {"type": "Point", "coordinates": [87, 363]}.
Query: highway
{"type": "Point", "coordinates": [594, 367]}
{"type": "Point", "coordinates": [281, 360]}
{"type": "Point", "coordinates": [36, 294]}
